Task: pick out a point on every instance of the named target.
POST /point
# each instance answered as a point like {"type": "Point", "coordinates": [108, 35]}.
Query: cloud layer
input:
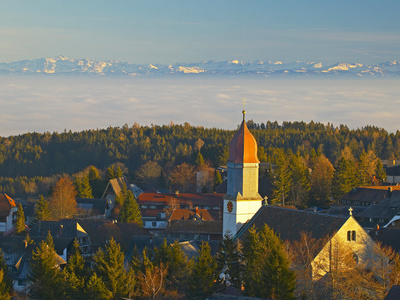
{"type": "Point", "coordinates": [42, 104]}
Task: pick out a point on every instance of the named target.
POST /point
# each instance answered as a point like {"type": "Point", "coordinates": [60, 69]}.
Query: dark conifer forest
{"type": "Point", "coordinates": [30, 162]}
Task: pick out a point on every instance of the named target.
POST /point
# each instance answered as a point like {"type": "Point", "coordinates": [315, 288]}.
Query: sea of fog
{"type": "Point", "coordinates": [40, 104]}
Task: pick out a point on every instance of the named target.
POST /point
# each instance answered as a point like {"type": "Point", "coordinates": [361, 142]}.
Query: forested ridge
{"type": "Point", "coordinates": [32, 157]}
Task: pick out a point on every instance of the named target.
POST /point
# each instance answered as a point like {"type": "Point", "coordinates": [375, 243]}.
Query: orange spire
{"type": "Point", "coordinates": [243, 146]}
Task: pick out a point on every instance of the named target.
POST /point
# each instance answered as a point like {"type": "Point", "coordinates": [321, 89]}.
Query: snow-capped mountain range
{"type": "Point", "coordinates": [65, 65]}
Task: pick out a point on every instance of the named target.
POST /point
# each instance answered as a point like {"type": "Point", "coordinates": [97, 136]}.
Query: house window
{"type": "Point", "coordinates": [351, 235]}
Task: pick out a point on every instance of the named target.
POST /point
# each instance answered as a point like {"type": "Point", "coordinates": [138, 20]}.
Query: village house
{"type": "Point", "coordinates": [290, 224]}
{"type": "Point", "coordinates": [156, 207]}
{"type": "Point", "coordinates": [8, 213]}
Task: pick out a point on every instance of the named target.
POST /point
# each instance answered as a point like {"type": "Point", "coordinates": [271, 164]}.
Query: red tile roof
{"type": "Point", "coordinates": [6, 203]}
{"type": "Point", "coordinates": [211, 199]}
{"type": "Point", "coordinates": [188, 214]}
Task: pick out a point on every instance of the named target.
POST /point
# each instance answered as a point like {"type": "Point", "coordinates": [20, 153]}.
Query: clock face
{"type": "Point", "coordinates": [229, 206]}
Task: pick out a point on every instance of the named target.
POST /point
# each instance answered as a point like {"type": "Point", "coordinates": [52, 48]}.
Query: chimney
{"type": "Point", "coordinates": [197, 210]}
{"type": "Point", "coordinates": [177, 194]}
{"type": "Point", "coordinates": [60, 231]}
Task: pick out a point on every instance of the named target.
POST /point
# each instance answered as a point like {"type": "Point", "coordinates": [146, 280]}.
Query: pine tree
{"type": "Point", "coordinates": [75, 274]}
{"type": "Point", "coordinates": [83, 187]}
{"type": "Point", "coordinates": [42, 211]}
{"type": "Point", "coordinates": [176, 263]}
{"type": "Point", "coordinates": [96, 289]}
{"type": "Point", "coordinates": [6, 283]}
{"type": "Point", "coordinates": [217, 179]}
{"type": "Point", "coordinates": [45, 272]}
{"type": "Point", "coordinates": [230, 260]}
{"type": "Point", "coordinates": [4, 292]}
{"type": "Point", "coordinates": [267, 272]}
{"type": "Point", "coordinates": [300, 184]}
{"type": "Point", "coordinates": [110, 173]}
{"type": "Point", "coordinates": [76, 263]}
{"type": "Point", "coordinates": [282, 181]}
{"type": "Point", "coordinates": [20, 222]}
{"type": "Point", "coordinates": [344, 178]}
{"type": "Point", "coordinates": [321, 181]}
{"type": "Point", "coordinates": [109, 266]}
{"type": "Point", "coordinates": [130, 211]}
{"type": "Point", "coordinates": [95, 182]}
{"type": "Point", "coordinates": [178, 268]}
{"type": "Point", "coordinates": [201, 282]}
{"type": "Point", "coordinates": [380, 173]}
{"type": "Point", "coordinates": [199, 162]}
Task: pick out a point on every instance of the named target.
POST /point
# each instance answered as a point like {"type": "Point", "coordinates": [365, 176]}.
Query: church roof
{"type": "Point", "coordinates": [243, 146]}
{"type": "Point", "coordinates": [289, 223]}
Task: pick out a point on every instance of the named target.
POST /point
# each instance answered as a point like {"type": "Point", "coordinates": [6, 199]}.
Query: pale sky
{"type": "Point", "coordinates": [186, 31]}
{"type": "Point", "coordinates": [173, 31]}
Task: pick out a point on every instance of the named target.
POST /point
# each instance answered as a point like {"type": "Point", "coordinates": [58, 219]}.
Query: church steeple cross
{"type": "Point", "coordinates": [350, 211]}
{"type": "Point", "coordinates": [244, 111]}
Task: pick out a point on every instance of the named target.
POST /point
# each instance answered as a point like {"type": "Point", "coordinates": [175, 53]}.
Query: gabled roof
{"type": "Point", "coordinates": [96, 206]}
{"type": "Point", "coordinates": [58, 229]}
{"type": "Point", "coordinates": [6, 203]}
{"type": "Point", "coordinates": [288, 224]}
{"type": "Point", "coordinates": [385, 209]}
{"type": "Point", "coordinates": [388, 237]}
{"type": "Point", "coordinates": [370, 194]}
{"type": "Point", "coordinates": [116, 185]}
{"type": "Point", "coordinates": [394, 293]}
{"type": "Point", "coordinates": [393, 171]}
{"type": "Point", "coordinates": [100, 231]}
{"type": "Point", "coordinates": [190, 214]}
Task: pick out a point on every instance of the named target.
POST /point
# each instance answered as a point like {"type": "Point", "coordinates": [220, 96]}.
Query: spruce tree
{"type": "Point", "coordinates": [201, 282]}
{"type": "Point", "coordinates": [76, 264]}
{"type": "Point", "coordinates": [130, 211]}
{"type": "Point", "coordinates": [6, 283]}
{"type": "Point", "coordinates": [42, 211]}
{"type": "Point", "coordinates": [282, 178]}
{"type": "Point", "coordinates": [109, 266]}
{"type": "Point", "coordinates": [217, 178]}
{"type": "Point", "coordinates": [4, 292]}
{"type": "Point", "coordinates": [45, 272]}
{"type": "Point", "coordinates": [95, 182]}
{"type": "Point", "coordinates": [199, 162]}
{"type": "Point", "coordinates": [96, 289]}
{"type": "Point", "coordinates": [20, 222]}
{"type": "Point", "coordinates": [380, 173]}
{"type": "Point", "coordinates": [230, 260]}
{"type": "Point", "coordinates": [300, 184]}
{"type": "Point", "coordinates": [344, 178]}
{"type": "Point", "coordinates": [267, 272]}
{"type": "Point", "coordinates": [83, 187]}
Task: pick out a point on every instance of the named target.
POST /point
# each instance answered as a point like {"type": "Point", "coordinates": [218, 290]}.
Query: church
{"type": "Point", "coordinates": [242, 199]}
{"type": "Point", "coordinates": [244, 208]}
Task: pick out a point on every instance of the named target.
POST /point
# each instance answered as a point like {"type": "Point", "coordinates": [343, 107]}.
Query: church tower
{"type": "Point", "coordinates": [242, 200]}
